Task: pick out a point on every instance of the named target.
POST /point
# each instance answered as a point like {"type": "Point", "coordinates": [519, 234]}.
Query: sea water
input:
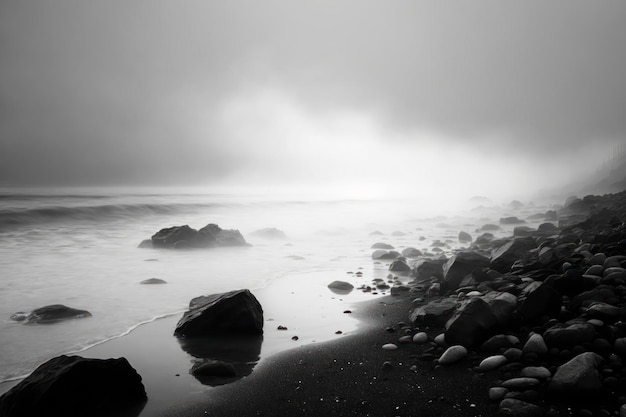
{"type": "Point", "coordinates": [79, 247]}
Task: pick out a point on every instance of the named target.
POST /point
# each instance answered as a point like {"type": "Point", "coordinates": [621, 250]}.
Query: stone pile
{"type": "Point", "coordinates": [542, 313]}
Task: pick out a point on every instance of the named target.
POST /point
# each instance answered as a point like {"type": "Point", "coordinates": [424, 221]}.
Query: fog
{"type": "Point", "coordinates": [351, 97]}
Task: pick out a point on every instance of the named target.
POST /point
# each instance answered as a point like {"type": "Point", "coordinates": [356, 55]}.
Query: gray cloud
{"type": "Point", "coordinates": [136, 91]}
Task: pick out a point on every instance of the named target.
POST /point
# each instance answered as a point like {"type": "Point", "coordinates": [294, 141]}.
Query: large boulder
{"type": "Point", "coordinates": [179, 237]}
{"type": "Point", "coordinates": [578, 376]}
{"type": "Point", "coordinates": [234, 312]}
{"type": "Point", "coordinates": [50, 314]}
{"type": "Point", "coordinates": [427, 268]}
{"type": "Point", "coordinates": [72, 386]}
{"type": "Point", "coordinates": [506, 255]}
{"type": "Point", "coordinates": [435, 313]}
{"type": "Point", "coordinates": [460, 265]}
{"type": "Point", "coordinates": [472, 323]}
{"type": "Point", "coordinates": [502, 305]}
{"type": "Point", "coordinates": [538, 300]}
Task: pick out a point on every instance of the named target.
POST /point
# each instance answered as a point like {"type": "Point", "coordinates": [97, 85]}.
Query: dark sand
{"type": "Point", "coordinates": [345, 377]}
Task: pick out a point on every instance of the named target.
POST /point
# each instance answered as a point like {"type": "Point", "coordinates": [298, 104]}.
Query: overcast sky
{"type": "Point", "coordinates": [309, 92]}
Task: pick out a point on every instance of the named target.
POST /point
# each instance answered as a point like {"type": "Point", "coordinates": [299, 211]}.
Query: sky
{"type": "Point", "coordinates": [411, 96]}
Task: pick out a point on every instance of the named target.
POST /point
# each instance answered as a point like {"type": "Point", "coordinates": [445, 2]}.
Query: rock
{"type": "Point", "coordinates": [426, 269]}
{"type": "Point", "coordinates": [471, 323]}
{"type": "Point", "coordinates": [460, 265]}
{"type": "Point", "coordinates": [497, 393]}
{"type": "Point", "coordinates": [411, 253]}
{"type": "Point", "coordinates": [511, 220]}
{"type": "Point", "coordinates": [145, 244]}
{"type": "Point", "coordinates": [51, 314]}
{"type": "Point", "coordinates": [547, 229]}
{"type": "Point", "coordinates": [539, 300]}
{"type": "Point", "coordinates": [507, 254]}
{"type": "Point", "coordinates": [603, 311]}
{"type": "Point", "coordinates": [400, 265]}
{"type": "Point", "coordinates": [498, 342]}
{"type": "Point", "coordinates": [421, 338]}
{"type": "Point", "coordinates": [153, 281]}
{"type": "Point", "coordinates": [502, 305]}
{"type": "Point", "coordinates": [492, 362]}
{"type": "Point", "coordinates": [578, 376]}
{"type": "Point", "coordinates": [516, 408]}
{"type": "Point", "coordinates": [389, 346]}
{"type": "Point", "coordinates": [601, 293]}
{"type": "Point", "coordinates": [513, 354]}
{"type": "Point", "coordinates": [464, 237]}
{"type": "Point", "coordinates": [212, 367]}
{"type": "Point", "coordinates": [72, 386]}
{"type": "Point", "coordinates": [567, 335]}
{"type": "Point", "coordinates": [179, 237]}
{"type": "Point", "coordinates": [535, 345]}
{"type": "Point", "coordinates": [452, 354]}
{"type": "Point", "coordinates": [340, 287]}
{"type": "Point", "coordinates": [381, 245]}
{"type": "Point", "coordinates": [435, 313]}
{"type": "Point", "coordinates": [270, 233]}
{"type": "Point", "coordinates": [521, 383]}
{"type": "Point", "coordinates": [620, 346]}
{"type": "Point", "coordinates": [523, 231]}
{"type": "Point", "coordinates": [537, 372]}
{"type": "Point", "coordinates": [399, 289]}
{"type": "Point", "coordinates": [235, 312]}
{"type": "Point", "coordinates": [383, 254]}
{"type": "Point", "coordinates": [489, 227]}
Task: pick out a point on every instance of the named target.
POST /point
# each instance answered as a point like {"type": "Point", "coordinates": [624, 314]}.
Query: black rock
{"type": "Point", "coordinates": [183, 237]}
{"type": "Point", "coordinates": [400, 265]}
{"type": "Point", "coordinates": [51, 314]}
{"type": "Point", "coordinates": [460, 265]}
{"type": "Point", "coordinates": [235, 312]}
{"type": "Point", "coordinates": [505, 256]}
{"type": "Point", "coordinates": [472, 323]}
{"type": "Point", "coordinates": [511, 220]}
{"type": "Point", "coordinates": [72, 386]}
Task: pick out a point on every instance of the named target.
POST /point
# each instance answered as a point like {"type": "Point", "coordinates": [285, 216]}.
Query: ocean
{"type": "Point", "coordinates": [79, 247]}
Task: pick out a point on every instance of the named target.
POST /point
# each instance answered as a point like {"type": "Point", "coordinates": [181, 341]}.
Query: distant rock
{"type": "Point", "coordinates": [411, 253]}
{"type": "Point", "coordinates": [270, 233]}
{"type": "Point", "coordinates": [235, 312]}
{"type": "Point", "coordinates": [516, 204]}
{"type": "Point", "coordinates": [72, 386]}
{"type": "Point", "coordinates": [489, 227]}
{"type": "Point", "coordinates": [153, 281]}
{"type": "Point", "coordinates": [340, 287]}
{"type": "Point", "coordinates": [183, 237]}
{"type": "Point", "coordinates": [400, 265]}
{"type": "Point", "coordinates": [385, 255]}
{"type": "Point", "coordinates": [511, 220]}
{"type": "Point", "coordinates": [464, 237]}
{"type": "Point", "coordinates": [382, 245]}
{"type": "Point", "coordinates": [50, 314]}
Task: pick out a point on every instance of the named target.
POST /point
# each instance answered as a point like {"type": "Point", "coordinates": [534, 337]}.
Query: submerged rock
{"type": "Point", "coordinates": [235, 312]}
{"type": "Point", "coordinates": [50, 314]}
{"type": "Point", "coordinates": [270, 233]}
{"type": "Point", "coordinates": [182, 237]}
{"type": "Point", "coordinates": [72, 386]}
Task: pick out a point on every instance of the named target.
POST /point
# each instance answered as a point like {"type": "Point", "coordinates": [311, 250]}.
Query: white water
{"type": "Point", "coordinates": [79, 248]}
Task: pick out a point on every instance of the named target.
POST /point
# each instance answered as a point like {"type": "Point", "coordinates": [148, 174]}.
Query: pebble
{"type": "Point", "coordinates": [520, 408]}
{"type": "Point", "coordinates": [535, 344]}
{"type": "Point", "coordinates": [492, 362]}
{"type": "Point", "coordinates": [405, 339]}
{"type": "Point", "coordinates": [520, 383]}
{"type": "Point", "coordinates": [390, 346]}
{"type": "Point", "coordinates": [537, 372]}
{"type": "Point", "coordinates": [497, 393]}
{"type": "Point", "coordinates": [420, 338]}
{"type": "Point", "coordinates": [513, 354]}
{"type": "Point", "coordinates": [453, 354]}
{"type": "Point", "coordinates": [441, 339]}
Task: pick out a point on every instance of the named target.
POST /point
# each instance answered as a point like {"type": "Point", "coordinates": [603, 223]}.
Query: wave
{"type": "Point", "coordinates": [13, 218]}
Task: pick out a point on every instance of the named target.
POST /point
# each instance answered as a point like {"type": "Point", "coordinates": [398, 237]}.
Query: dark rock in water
{"type": "Point", "coordinates": [472, 323]}
{"type": "Point", "coordinates": [212, 367]}
{"type": "Point", "coordinates": [51, 314]}
{"type": "Point", "coordinates": [411, 253]}
{"type": "Point", "coordinates": [578, 376]}
{"type": "Point", "coordinates": [429, 268]}
{"type": "Point", "coordinates": [381, 245]}
{"type": "Point", "coordinates": [523, 231]}
{"type": "Point", "coordinates": [183, 237]}
{"type": "Point", "coordinates": [340, 287]}
{"type": "Point", "coordinates": [153, 281]}
{"type": "Point", "coordinates": [465, 237]}
{"type": "Point", "coordinates": [435, 313]}
{"type": "Point", "coordinates": [505, 256]}
{"type": "Point", "coordinates": [539, 300]}
{"type": "Point", "coordinates": [460, 265]}
{"type": "Point", "coordinates": [72, 386]}
{"type": "Point", "coordinates": [271, 233]}
{"type": "Point", "coordinates": [489, 227]}
{"type": "Point", "coordinates": [235, 312]}
{"type": "Point", "coordinates": [547, 229]}
{"type": "Point", "coordinates": [511, 220]}
{"type": "Point", "coordinates": [400, 265]}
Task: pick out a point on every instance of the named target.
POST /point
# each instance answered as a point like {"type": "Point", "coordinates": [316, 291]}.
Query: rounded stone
{"type": "Point", "coordinates": [537, 372]}
{"type": "Point", "coordinates": [389, 346]}
{"type": "Point", "coordinates": [497, 393]}
{"type": "Point", "coordinates": [492, 362]}
{"type": "Point", "coordinates": [420, 338]}
{"type": "Point", "coordinates": [453, 354]}
{"type": "Point", "coordinates": [520, 383]}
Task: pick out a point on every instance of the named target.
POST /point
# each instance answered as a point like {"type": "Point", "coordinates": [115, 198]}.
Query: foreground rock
{"type": "Point", "coordinates": [460, 265]}
{"type": "Point", "coordinates": [340, 287]}
{"type": "Point", "coordinates": [232, 313]}
{"type": "Point", "coordinates": [73, 386]}
{"type": "Point", "coordinates": [182, 237]}
{"type": "Point", "coordinates": [50, 314]}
